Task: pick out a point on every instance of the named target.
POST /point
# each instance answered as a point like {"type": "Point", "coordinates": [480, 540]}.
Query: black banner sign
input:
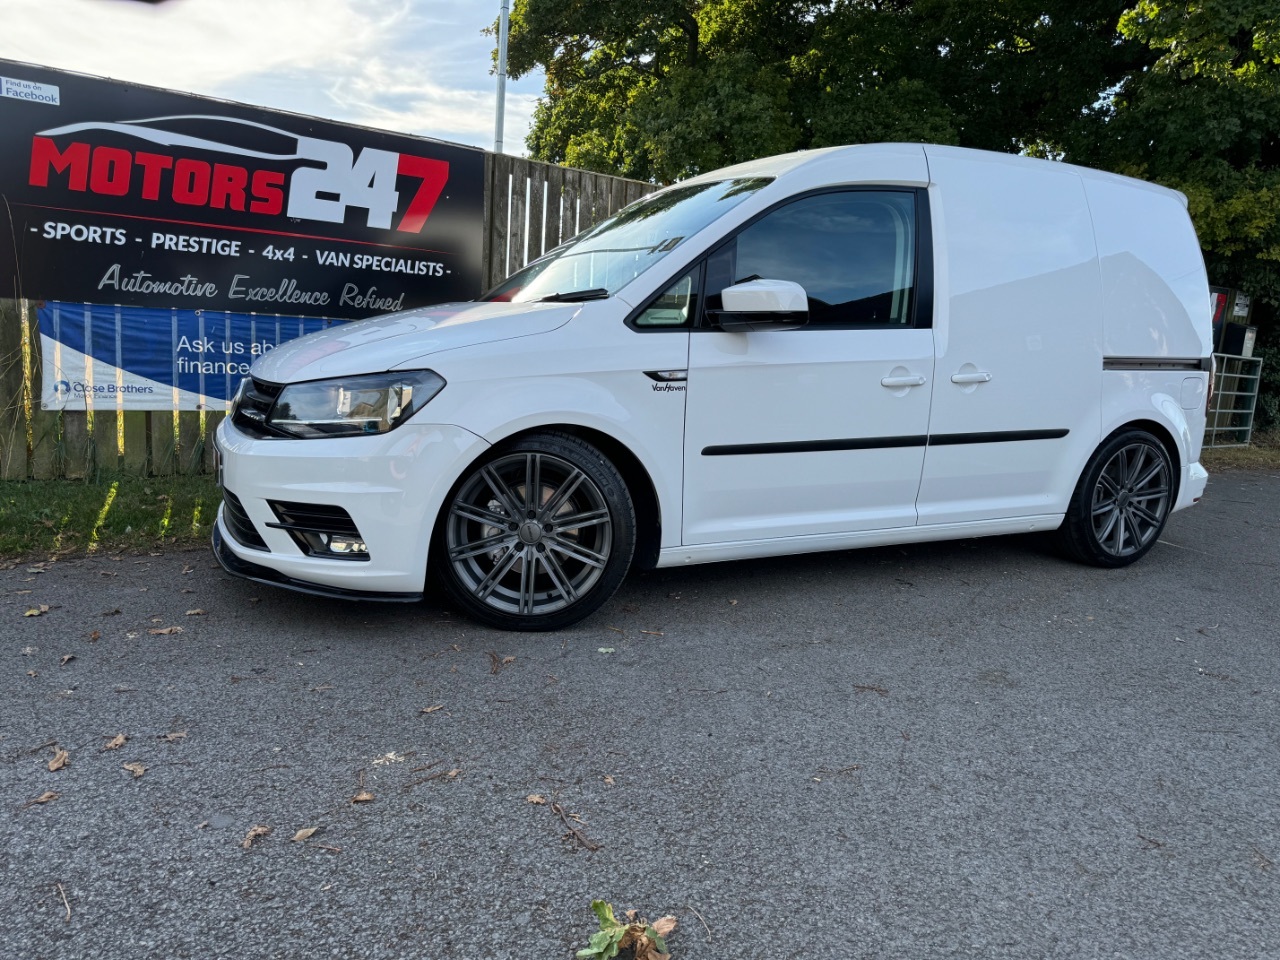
{"type": "Point", "coordinates": [115, 193]}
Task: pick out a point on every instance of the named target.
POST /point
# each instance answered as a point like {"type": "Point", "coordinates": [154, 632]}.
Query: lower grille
{"type": "Point", "coordinates": [238, 523]}
{"type": "Point", "coordinates": [315, 527]}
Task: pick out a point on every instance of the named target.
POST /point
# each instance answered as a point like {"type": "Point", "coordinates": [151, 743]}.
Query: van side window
{"type": "Point", "coordinates": [852, 251]}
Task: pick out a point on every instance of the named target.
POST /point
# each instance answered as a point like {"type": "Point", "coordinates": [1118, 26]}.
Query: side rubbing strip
{"type": "Point", "coordinates": [879, 443]}
{"type": "Point", "coordinates": [1000, 436]}
{"type": "Point", "coordinates": [1153, 363]}
{"type": "Point", "coordinates": [813, 446]}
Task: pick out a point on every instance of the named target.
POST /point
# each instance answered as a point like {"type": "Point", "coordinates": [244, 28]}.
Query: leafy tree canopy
{"type": "Point", "coordinates": [1186, 94]}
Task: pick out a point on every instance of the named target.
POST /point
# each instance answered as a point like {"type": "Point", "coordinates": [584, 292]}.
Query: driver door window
{"type": "Point", "coordinates": [854, 253]}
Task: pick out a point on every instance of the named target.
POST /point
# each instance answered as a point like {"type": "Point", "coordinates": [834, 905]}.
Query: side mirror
{"type": "Point", "coordinates": [763, 305]}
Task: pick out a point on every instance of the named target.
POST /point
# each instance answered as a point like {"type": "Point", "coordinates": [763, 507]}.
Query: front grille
{"type": "Point", "coordinates": [312, 525]}
{"type": "Point", "coordinates": [238, 523]}
{"type": "Point", "coordinates": [253, 406]}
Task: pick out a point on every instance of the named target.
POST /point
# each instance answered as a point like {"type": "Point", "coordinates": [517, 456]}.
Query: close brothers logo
{"type": "Point", "coordinates": [248, 184]}
{"type": "Point", "coordinates": [63, 389]}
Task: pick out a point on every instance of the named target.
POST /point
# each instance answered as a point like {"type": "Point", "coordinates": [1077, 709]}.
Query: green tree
{"type": "Point", "coordinates": [1205, 119]}
{"type": "Point", "coordinates": [662, 89]}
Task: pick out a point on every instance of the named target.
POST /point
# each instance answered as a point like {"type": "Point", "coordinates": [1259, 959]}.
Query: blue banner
{"type": "Point", "coordinates": [140, 358]}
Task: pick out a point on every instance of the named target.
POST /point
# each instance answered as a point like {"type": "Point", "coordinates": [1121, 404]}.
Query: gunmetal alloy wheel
{"type": "Point", "coordinates": [1122, 502]}
{"type": "Point", "coordinates": [537, 537]}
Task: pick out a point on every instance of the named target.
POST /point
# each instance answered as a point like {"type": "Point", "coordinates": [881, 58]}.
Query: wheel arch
{"type": "Point", "coordinates": [640, 485]}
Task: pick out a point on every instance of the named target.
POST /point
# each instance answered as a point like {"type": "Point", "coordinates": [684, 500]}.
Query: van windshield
{"type": "Point", "coordinates": [603, 259]}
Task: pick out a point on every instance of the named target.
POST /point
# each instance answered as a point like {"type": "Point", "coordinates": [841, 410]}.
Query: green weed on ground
{"type": "Point", "coordinates": [1262, 454]}
{"type": "Point", "coordinates": [49, 518]}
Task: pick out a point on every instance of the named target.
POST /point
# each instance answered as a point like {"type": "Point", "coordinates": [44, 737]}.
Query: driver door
{"type": "Point", "coordinates": [819, 430]}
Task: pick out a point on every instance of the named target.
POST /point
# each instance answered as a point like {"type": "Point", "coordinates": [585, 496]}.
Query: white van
{"type": "Point", "coordinates": [830, 349]}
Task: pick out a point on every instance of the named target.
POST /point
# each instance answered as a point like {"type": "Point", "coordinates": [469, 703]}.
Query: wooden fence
{"type": "Point", "coordinates": [530, 208]}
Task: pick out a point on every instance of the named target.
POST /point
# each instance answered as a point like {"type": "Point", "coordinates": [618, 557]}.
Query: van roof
{"type": "Point", "coordinates": [786, 163]}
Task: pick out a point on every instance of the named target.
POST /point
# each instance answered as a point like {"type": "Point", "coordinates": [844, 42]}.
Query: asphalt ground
{"type": "Point", "coordinates": [970, 749]}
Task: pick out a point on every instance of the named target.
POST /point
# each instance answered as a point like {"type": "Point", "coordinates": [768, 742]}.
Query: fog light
{"type": "Point", "coordinates": [347, 546]}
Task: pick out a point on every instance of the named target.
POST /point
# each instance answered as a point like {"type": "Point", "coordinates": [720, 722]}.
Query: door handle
{"type": "Point", "coordinates": [902, 381]}
{"type": "Point", "coordinates": [981, 377]}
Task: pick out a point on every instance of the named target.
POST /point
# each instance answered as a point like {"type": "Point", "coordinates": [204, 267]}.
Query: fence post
{"type": "Point", "coordinates": [519, 210]}
{"type": "Point", "coordinates": [500, 192]}
{"type": "Point", "coordinates": [13, 416]}
{"type": "Point", "coordinates": [162, 441]}
{"type": "Point", "coordinates": [47, 452]}
{"type": "Point", "coordinates": [190, 444]}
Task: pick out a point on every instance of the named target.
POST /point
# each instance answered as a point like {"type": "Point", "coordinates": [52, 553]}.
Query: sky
{"type": "Point", "coordinates": [413, 66]}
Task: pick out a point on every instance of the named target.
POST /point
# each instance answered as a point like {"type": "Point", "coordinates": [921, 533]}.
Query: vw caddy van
{"type": "Point", "coordinates": [831, 349]}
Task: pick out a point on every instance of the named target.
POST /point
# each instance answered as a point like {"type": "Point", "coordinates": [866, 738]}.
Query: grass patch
{"type": "Point", "coordinates": [49, 518]}
{"type": "Point", "coordinates": [1262, 454]}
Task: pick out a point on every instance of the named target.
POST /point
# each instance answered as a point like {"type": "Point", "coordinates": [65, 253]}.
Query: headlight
{"type": "Point", "coordinates": [352, 406]}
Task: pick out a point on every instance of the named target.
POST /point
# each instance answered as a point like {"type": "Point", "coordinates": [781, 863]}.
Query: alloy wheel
{"type": "Point", "coordinates": [1131, 499]}
{"type": "Point", "coordinates": [528, 534]}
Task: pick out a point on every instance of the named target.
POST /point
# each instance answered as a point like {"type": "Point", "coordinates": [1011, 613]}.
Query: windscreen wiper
{"type": "Point", "coordinates": [573, 296]}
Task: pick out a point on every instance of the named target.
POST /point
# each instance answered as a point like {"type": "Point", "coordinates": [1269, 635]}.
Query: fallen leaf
{"type": "Point", "coordinates": [165, 631]}
{"type": "Point", "coordinates": [364, 796]}
{"type": "Point", "coordinates": [95, 636]}
{"type": "Point", "coordinates": [32, 673]}
{"type": "Point", "coordinates": [187, 590]}
{"type": "Point", "coordinates": [253, 834]}
{"type": "Point", "coordinates": [452, 773]}
{"type": "Point", "coordinates": [188, 568]}
{"type": "Point", "coordinates": [136, 769]}
{"type": "Point", "coordinates": [110, 613]}
{"type": "Point", "coordinates": [37, 611]}
{"type": "Point", "coordinates": [175, 736]}
{"type": "Point", "coordinates": [66, 658]}
{"type": "Point", "coordinates": [20, 592]}
{"type": "Point", "coordinates": [304, 834]}
{"type": "Point", "coordinates": [116, 742]}
{"type": "Point", "coordinates": [653, 633]}
{"type": "Point", "coordinates": [507, 661]}
{"type": "Point", "coordinates": [609, 781]}
{"type": "Point", "coordinates": [733, 603]}
{"type": "Point", "coordinates": [60, 758]}
{"type": "Point", "coordinates": [663, 926]}
{"type": "Point", "coordinates": [195, 613]}
{"type": "Point", "coordinates": [43, 798]}
{"type": "Point", "coordinates": [537, 798]}
{"type": "Point", "coordinates": [438, 706]}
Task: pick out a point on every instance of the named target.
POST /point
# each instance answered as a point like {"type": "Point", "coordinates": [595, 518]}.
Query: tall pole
{"type": "Point", "coordinates": [502, 74]}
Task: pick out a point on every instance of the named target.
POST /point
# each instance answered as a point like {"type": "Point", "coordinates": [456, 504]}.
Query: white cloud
{"type": "Point", "coordinates": [411, 67]}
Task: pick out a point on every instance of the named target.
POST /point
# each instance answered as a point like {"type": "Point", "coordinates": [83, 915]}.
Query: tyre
{"type": "Point", "coordinates": [537, 536]}
{"type": "Point", "coordinates": [1121, 503]}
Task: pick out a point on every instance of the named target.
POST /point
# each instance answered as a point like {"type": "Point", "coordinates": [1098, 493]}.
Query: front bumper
{"type": "Point", "coordinates": [234, 564]}
{"type": "Point", "coordinates": [392, 487]}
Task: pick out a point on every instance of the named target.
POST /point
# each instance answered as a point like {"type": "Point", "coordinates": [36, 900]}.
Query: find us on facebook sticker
{"type": "Point", "coordinates": [29, 90]}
